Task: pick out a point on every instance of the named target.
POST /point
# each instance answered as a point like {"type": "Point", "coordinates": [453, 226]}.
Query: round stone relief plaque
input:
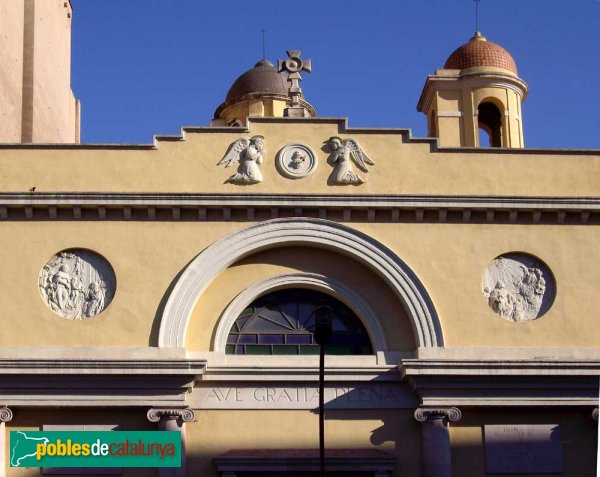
{"type": "Point", "coordinates": [77, 284]}
{"type": "Point", "coordinates": [518, 287]}
{"type": "Point", "coordinates": [296, 161]}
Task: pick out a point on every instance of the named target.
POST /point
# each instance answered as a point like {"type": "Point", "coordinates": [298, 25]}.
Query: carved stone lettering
{"type": "Point", "coordinates": [518, 287]}
{"type": "Point", "coordinates": [380, 396]}
{"type": "Point", "coordinates": [523, 449]}
{"type": "Point", "coordinates": [77, 284]}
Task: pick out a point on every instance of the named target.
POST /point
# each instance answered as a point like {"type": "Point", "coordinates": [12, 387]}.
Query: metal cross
{"type": "Point", "coordinates": [294, 65]}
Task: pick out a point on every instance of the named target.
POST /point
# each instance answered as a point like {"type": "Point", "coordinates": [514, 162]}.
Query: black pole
{"type": "Point", "coordinates": [322, 408]}
{"type": "Point", "coordinates": [323, 325]}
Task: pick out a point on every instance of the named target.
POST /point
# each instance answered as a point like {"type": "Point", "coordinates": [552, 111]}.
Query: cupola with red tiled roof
{"type": "Point", "coordinates": [479, 52]}
{"type": "Point", "coordinates": [475, 100]}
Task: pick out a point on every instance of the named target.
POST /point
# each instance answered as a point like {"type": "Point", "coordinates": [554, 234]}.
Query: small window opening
{"type": "Point", "coordinates": [490, 125]}
{"type": "Point", "coordinates": [432, 125]}
{"type": "Point", "coordinates": [235, 123]}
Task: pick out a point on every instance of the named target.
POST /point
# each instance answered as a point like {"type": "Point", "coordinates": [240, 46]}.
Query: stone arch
{"type": "Point", "coordinates": [302, 232]}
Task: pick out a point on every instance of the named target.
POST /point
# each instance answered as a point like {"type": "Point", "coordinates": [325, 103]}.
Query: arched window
{"type": "Point", "coordinates": [283, 323]}
{"type": "Point", "coordinates": [490, 122]}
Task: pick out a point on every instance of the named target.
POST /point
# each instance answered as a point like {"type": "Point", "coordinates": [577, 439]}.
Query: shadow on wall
{"type": "Point", "coordinates": [537, 442]}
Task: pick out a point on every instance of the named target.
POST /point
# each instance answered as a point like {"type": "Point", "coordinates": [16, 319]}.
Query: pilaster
{"type": "Point", "coordinates": [172, 420]}
{"type": "Point", "coordinates": [436, 439]}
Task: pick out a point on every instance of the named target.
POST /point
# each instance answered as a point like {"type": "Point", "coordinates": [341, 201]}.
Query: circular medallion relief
{"type": "Point", "coordinates": [518, 287]}
{"type": "Point", "coordinates": [296, 161]}
{"type": "Point", "coordinates": [77, 284]}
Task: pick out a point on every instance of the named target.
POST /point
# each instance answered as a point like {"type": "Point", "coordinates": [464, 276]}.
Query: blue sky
{"type": "Point", "coordinates": [145, 67]}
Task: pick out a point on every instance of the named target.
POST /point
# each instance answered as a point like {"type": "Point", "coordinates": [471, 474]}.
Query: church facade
{"type": "Point", "coordinates": [175, 285]}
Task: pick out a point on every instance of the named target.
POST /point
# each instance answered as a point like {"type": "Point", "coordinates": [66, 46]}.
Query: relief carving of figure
{"type": "Point", "coordinates": [343, 153]}
{"type": "Point", "coordinates": [72, 284]}
{"type": "Point", "coordinates": [502, 301]}
{"type": "Point", "coordinates": [249, 154]}
{"type": "Point", "coordinates": [94, 303]}
{"type": "Point", "coordinates": [517, 291]}
{"type": "Point", "coordinates": [62, 287]}
{"type": "Point", "coordinates": [297, 160]}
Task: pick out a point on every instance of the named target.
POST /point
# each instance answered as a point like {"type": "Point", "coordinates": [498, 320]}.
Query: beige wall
{"type": "Point", "coordinates": [53, 102]}
{"type": "Point", "coordinates": [11, 70]}
{"type": "Point", "coordinates": [36, 101]}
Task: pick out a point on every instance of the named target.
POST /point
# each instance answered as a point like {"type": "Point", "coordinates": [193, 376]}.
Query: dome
{"type": "Point", "coordinates": [480, 52]}
{"type": "Point", "coordinates": [263, 79]}
{"type": "Point", "coordinates": [262, 82]}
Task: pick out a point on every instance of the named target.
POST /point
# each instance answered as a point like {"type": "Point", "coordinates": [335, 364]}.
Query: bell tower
{"type": "Point", "coordinates": [37, 104]}
{"type": "Point", "coordinates": [475, 100]}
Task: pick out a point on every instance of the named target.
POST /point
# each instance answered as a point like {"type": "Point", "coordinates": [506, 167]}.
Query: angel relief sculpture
{"type": "Point", "coordinates": [343, 153]}
{"type": "Point", "coordinates": [249, 153]}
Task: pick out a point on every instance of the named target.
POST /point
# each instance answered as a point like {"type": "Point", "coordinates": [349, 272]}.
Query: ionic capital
{"type": "Point", "coordinates": [424, 414]}
{"type": "Point", "coordinates": [595, 414]}
{"type": "Point", "coordinates": [6, 414]}
{"type": "Point", "coordinates": [186, 415]}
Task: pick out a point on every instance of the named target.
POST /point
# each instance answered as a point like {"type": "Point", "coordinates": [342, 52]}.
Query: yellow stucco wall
{"type": "Point", "coordinates": [400, 168]}
{"type": "Point", "coordinates": [449, 259]}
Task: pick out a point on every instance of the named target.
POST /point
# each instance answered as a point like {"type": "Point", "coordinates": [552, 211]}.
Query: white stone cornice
{"type": "Point", "coordinates": [132, 367]}
{"type": "Point", "coordinates": [361, 208]}
{"type": "Point", "coordinates": [98, 382]}
{"type": "Point", "coordinates": [499, 367]}
{"type": "Point", "coordinates": [477, 383]}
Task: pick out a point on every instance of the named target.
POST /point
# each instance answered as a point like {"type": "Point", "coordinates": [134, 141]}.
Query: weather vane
{"type": "Point", "coordinates": [477, 15]}
{"type": "Point", "coordinates": [264, 56]}
{"type": "Point", "coordinates": [294, 65]}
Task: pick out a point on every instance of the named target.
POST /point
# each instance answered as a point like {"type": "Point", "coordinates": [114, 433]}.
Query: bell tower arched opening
{"type": "Point", "coordinates": [489, 122]}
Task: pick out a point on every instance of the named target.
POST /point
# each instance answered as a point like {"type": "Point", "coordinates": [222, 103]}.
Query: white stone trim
{"type": "Point", "coordinates": [305, 232]}
{"type": "Point", "coordinates": [449, 114]}
{"type": "Point", "coordinates": [304, 280]}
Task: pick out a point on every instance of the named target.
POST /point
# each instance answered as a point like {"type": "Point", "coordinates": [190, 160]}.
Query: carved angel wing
{"type": "Point", "coordinates": [233, 153]}
{"type": "Point", "coordinates": [358, 155]}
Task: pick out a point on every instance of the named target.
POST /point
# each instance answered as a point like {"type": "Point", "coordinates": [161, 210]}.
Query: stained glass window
{"type": "Point", "coordinates": [283, 323]}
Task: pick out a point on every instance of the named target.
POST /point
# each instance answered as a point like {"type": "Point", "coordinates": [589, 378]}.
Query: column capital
{"type": "Point", "coordinates": [595, 414]}
{"type": "Point", "coordinates": [186, 415]}
{"type": "Point", "coordinates": [6, 414]}
{"type": "Point", "coordinates": [423, 414]}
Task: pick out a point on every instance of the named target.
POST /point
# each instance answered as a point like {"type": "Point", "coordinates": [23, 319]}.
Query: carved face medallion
{"type": "Point", "coordinates": [77, 284]}
{"type": "Point", "coordinates": [295, 161]}
{"type": "Point", "coordinates": [518, 287]}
